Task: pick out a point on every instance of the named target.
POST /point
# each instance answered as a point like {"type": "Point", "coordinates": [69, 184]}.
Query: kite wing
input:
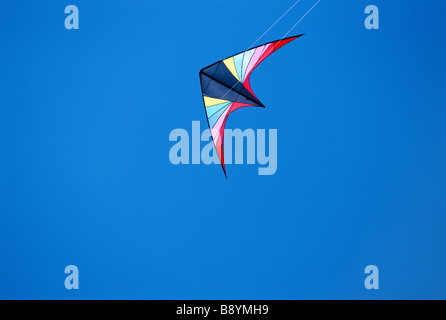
{"type": "Point", "coordinates": [225, 87]}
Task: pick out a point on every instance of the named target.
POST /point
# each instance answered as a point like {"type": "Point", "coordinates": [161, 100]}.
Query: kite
{"type": "Point", "coordinates": [225, 87]}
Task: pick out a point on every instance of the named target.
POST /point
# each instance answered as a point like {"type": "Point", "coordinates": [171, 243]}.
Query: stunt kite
{"type": "Point", "coordinates": [225, 88]}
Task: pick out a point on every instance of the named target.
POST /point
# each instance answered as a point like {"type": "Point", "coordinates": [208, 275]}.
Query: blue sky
{"type": "Point", "coordinates": [85, 177]}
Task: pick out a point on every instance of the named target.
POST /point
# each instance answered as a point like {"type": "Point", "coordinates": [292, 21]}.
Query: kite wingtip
{"type": "Point", "coordinates": [294, 37]}
{"type": "Point", "coordinates": [224, 171]}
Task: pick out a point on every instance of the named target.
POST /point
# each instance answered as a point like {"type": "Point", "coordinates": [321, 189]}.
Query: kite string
{"type": "Point", "coordinates": [295, 25]}
{"type": "Point", "coordinates": [301, 19]}
{"type": "Point", "coordinates": [272, 26]}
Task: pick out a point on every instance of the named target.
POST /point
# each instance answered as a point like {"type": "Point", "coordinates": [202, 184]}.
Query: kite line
{"type": "Point", "coordinates": [272, 26]}
{"type": "Point", "coordinates": [283, 15]}
{"type": "Point", "coordinates": [301, 19]}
